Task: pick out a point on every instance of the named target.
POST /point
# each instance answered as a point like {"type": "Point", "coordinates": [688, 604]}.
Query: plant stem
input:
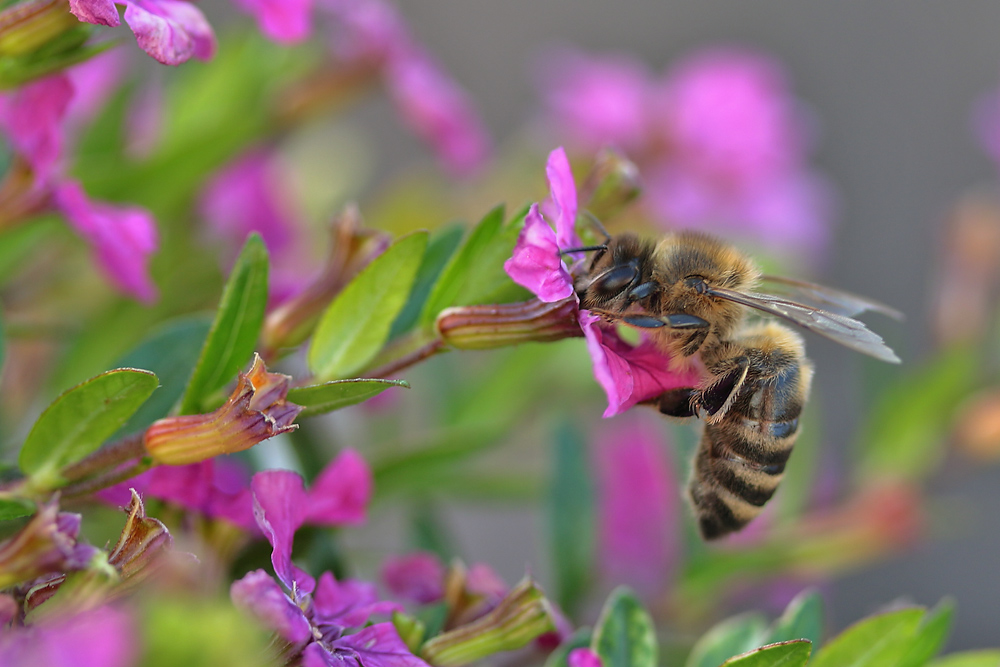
{"type": "Point", "coordinates": [108, 457]}
{"type": "Point", "coordinates": [403, 355]}
{"type": "Point", "coordinates": [93, 484]}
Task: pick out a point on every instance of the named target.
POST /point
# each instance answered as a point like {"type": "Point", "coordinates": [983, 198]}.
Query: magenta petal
{"type": "Point", "coordinates": [280, 505]}
{"type": "Point", "coordinates": [341, 492]}
{"type": "Point", "coordinates": [100, 12]}
{"type": "Point", "coordinates": [347, 603]}
{"type": "Point", "coordinates": [583, 657]}
{"type": "Point", "coordinates": [536, 263]}
{"type": "Point", "coordinates": [563, 190]}
{"type": "Point", "coordinates": [188, 486]}
{"type": "Point", "coordinates": [32, 120]}
{"type": "Point", "coordinates": [258, 593]}
{"type": "Point", "coordinates": [283, 21]}
{"type": "Point", "coordinates": [123, 237]}
{"type": "Point", "coordinates": [418, 577]}
{"type": "Point", "coordinates": [378, 646]}
{"type": "Point", "coordinates": [638, 507]}
{"type": "Point", "coordinates": [170, 30]}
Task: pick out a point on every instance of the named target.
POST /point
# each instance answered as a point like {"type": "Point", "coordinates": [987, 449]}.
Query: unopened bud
{"type": "Point", "coordinates": [521, 616]}
{"type": "Point", "coordinates": [612, 184]}
{"type": "Point", "coordinates": [352, 247]}
{"type": "Point", "coordinates": [255, 411]}
{"type": "Point", "coordinates": [27, 26]}
{"type": "Point", "coordinates": [500, 325]}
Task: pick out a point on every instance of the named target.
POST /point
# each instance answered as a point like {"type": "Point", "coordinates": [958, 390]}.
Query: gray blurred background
{"type": "Point", "coordinates": [892, 85]}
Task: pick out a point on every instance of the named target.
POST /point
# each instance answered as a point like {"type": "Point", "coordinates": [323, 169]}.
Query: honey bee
{"type": "Point", "coordinates": [691, 293]}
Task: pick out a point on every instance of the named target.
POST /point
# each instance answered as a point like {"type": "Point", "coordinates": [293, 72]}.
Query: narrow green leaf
{"type": "Point", "coordinates": [987, 658]}
{"type": "Point", "coordinates": [236, 328]}
{"type": "Point", "coordinates": [81, 419]}
{"type": "Point", "coordinates": [624, 635]}
{"type": "Point", "coordinates": [803, 619]}
{"type": "Point", "coordinates": [931, 636]}
{"type": "Point", "coordinates": [171, 352]}
{"type": "Point", "coordinates": [356, 325]}
{"type": "Point", "coordinates": [571, 518]}
{"type": "Point", "coordinates": [15, 509]}
{"type": "Point", "coordinates": [783, 654]}
{"type": "Point", "coordinates": [905, 435]}
{"type": "Point", "coordinates": [440, 249]}
{"type": "Point", "coordinates": [876, 641]}
{"type": "Point", "coordinates": [475, 273]}
{"type": "Point", "coordinates": [1, 339]}
{"type": "Point", "coordinates": [730, 637]}
{"type": "Point", "coordinates": [318, 399]}
{"type": "Point", "coordinates": [579, 639]}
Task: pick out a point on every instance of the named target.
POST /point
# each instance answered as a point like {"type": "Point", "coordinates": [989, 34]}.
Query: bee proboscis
{"type": "Point", "coordinates": [691, 292]}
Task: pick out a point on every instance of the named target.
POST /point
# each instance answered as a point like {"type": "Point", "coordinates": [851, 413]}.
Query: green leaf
{"type": "Point", "coordinates": [171, 352]}
{"type": "Point", "coordinates": [876, 641]}
{"type": "Point", "coordinates": [803, 619]}
{"type": "Point", "coordinates": [80, 420]}
{"type": "Point", "coordinates": [624, 635]}
{"type": "Point", "coordinates": [571, 518]}
{"type": "Point", "coordinates": [440, 248]}
{"type": "Point", "coordinates": [236, 328]}
{"type": "Point", "coordinates": [356, 325]}
{"type": "Point", "coordinates": [318, 399]}
{"type": "Point", "coordinates": [906, 433]}
{"type": "Point", "coordinates": [475, 273]}
{"type": "Point", "coordinates": [18, 244]}
{"type": "Point", "coordinates": [783, 654]}
{"type": "Point", "coordinates": [730, 637]}
{"type": "Point", "coordinates": [987, 658]}
{"type": "Point", "coordinates": [579, 639]}
{"type": "Point", "coordinates": [931, 635]}
{"type": "Point", "coordinates": [15, 509]}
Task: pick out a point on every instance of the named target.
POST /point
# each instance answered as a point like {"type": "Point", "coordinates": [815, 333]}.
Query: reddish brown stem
{"type": "Point", "coordinates": [106, 458]}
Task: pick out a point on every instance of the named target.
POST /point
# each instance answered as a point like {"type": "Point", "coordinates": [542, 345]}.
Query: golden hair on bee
{"type": "Point", "coordinates": [691, 293]}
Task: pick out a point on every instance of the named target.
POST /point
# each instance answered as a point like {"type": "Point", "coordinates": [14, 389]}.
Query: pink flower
{"type": "Point", "coordinates": [639, 507]}
{"type": "Point", "coordinates": [123, 237]}
{"type": "Point", "coordinates": [172, 31]}
{"type": "Point", "coordinates": [598, 100]}
{"type": "Point", "coordinates": [32, 120]}
{"type": "Point", "coordinates": [628, 375]}
{"type": "Point", "coordinates": [246, 196]}
{"type": "Point", "coordinates": [101, 637]}
{"type": "Point", "coordinates": [283, 21]}
{"type": "Point", "coordinates": [417, 576]}
{"type": "Point", "coordinates": [583, 657]}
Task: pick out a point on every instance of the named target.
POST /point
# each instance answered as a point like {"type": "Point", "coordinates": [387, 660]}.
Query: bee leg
{"type": "Point", "coordinates": [716, 398]}
{"type": "Point", "coordinates": [677, 402]}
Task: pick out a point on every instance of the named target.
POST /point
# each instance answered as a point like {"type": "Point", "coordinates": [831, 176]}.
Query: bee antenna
{"type": "Point", "coordinates": [599, 225]}
{"type": "Point", "coordinates": [586, 248]}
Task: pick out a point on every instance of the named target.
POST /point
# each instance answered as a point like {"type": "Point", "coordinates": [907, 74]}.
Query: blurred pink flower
{"type": "Point", "coordinates": [986, 124]}
{"type": "Point", "coordinates": [94, 81]}
{"type": "Point", "coordinates": [283, 21]}
{"type": "Point", "coordinates": [122, 236]}
{"type": "Point", "coordinates": [639, 507]}
{"type": "Point", "coordinates": [597, 100]}
{"type": "Point", "coordinates": [247, 196]}
{"type": "Point", "coordinates": [417, 576]}
{"type": "Point", "coordinates": [583, 657]}
{"type": "Point", "coordinates": [171, 31]}
{"type": "Point", "coordinates": [31, 118]}
{"type": "Point", "coordinates": [101, 637]}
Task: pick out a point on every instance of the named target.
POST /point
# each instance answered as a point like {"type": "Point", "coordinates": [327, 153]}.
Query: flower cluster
{"type": "Point", "coordinates": [719, 138]}
{"type": "Point", "coordinates": [628, 375]}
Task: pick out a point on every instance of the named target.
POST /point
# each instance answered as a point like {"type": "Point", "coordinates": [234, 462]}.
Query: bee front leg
{"type": "Point", "coordinates": [716, 398]}
{"type": "Point", "coordinates": [679, 402]}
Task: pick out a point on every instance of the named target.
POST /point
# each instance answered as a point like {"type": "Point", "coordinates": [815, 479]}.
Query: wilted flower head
{"type": "Point", "coordinates": [46, 545]}
{"type": "Point", "coordinates": [255, 411]}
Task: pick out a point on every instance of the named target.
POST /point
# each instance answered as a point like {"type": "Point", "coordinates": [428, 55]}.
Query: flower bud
{"type": "Point", "coordinates": [489, 326]}
{"type": "Point", "coordinates": [521, 616]}
{"type": "Point", "coordinates": [46, 545]}
{"type": "Point", "coordinates": [255, 411]}
{"type": "Point", "coordinates": [26, 26]}
{"type": "Point", "coordinates": [352, 247]}
{"type": "Point", "coordinates": [612, 184]}
{"type": "Point", "coordinates": [142, 541]}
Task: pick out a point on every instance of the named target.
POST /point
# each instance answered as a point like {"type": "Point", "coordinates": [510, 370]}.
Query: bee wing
{"type": "Point", "coordinates": [834, 326]}
{"type": "Point", "coordinates": [825, 298]}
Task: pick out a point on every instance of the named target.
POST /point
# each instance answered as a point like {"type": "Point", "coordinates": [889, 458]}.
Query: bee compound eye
{"type": "Point", "coordinates": [616, 280]}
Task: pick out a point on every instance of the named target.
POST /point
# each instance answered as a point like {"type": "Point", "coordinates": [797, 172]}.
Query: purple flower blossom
{"type": "Point", "coordinates": [639, 506]}
{"type": "Point", "coordinates": [418, 576]}
{"type": "Point", "coordinates": [628, 375]}
{"type": "Point", "coordinates": [47, 544]}
{"type": "Point", "coordinates": [583, 657]}
{"type": "Point", "coordinates": [172, 31]}
{"type": "Point", "coordinates": [318, 626]}
{"type": "Point", "coordinates": [31, 118]}
{"type": "Point", "coordinates": [101, 637]}
{"type": "Point", "coordinates": [598, 100]}
{"type": "Point", "coordinates": [284, 21]}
